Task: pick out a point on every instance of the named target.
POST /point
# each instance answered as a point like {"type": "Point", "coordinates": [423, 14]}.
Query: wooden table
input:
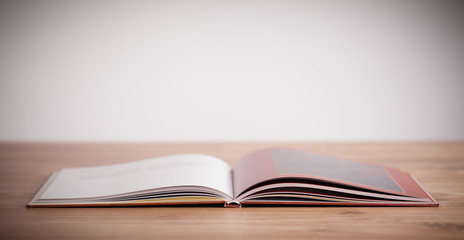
{"type": "Point", "coordinates": [25, 167]}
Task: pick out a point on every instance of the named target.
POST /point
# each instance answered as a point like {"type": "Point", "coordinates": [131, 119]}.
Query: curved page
{"type": "Point", "coordinates": [177, 170]}
{"type": "Point", "coordinates": [268, 164]}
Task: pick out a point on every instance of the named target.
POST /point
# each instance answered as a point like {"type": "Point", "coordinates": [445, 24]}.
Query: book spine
{"type": "Point", "coordinates": [232, 204]}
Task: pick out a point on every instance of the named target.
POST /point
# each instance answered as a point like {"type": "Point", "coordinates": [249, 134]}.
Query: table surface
{"type": "Point", "coordinates": [25, 167]}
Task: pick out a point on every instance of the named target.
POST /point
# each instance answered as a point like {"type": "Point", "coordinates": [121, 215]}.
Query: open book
{"type": "Point", "coordinates": [269, 176]}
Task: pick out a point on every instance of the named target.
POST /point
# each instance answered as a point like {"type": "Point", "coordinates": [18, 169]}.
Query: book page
{"type": "Point", "coordinates": [276, 163]}
{"type": "Point", "coordinates": [309, 164]}
{"type": "Point", "coordinates": [160, 172]}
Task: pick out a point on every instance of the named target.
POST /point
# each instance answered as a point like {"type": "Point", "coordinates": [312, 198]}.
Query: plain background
{"type": "Point", "coordinates": [231, 70]}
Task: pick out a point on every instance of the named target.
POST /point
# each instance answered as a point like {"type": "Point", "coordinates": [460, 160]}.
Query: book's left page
{"type": "Point", "coordinates": [185, 178]}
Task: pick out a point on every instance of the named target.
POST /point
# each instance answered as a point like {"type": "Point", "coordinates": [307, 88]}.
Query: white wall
{"type": "Point", "coordinates": [231, 70]}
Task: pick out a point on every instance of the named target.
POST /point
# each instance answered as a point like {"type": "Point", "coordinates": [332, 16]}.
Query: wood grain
{"type": "Point", "coordinates": [25, 167]}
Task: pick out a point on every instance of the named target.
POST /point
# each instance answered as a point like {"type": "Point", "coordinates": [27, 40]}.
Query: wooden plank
{"type": "Point", "coordinates": [25, 166]}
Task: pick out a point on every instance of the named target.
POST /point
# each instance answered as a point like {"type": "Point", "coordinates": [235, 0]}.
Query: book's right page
{"type": "Point", "coordinates": [289, 175]}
